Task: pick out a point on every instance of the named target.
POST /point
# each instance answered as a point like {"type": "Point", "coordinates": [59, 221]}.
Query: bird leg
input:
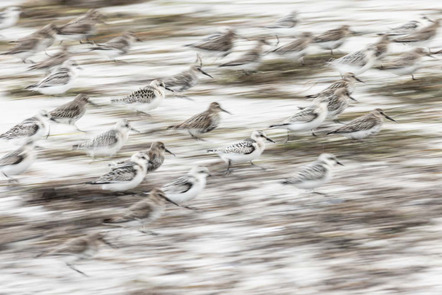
{"type": "Point", "coordinates": [196, 137]}
{"type": "Point", "coordinates": [313, 133]}
{"type": "Point", "coordinates": [412, 77]}
{"type": "Point", "coordinates": [76, 269]}
{"type": "Point", "coordinates": [191, 208]}
{"type": "Point", "coordinates": [331, 50]}
{"type": "Point", "coordinates": [254, 165]}
{"type": "Point", "coordinates": [288, 136]}
{"type": "Point", "coordinates": [228, 171]}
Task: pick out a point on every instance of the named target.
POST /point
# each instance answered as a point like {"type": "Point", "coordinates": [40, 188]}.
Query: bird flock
{"type": "Point", "coordinates": [123, 176]}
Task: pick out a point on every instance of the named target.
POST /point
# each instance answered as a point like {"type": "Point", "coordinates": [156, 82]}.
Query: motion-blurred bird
{"type": "Point", "coordinates": [52, 61]}
{"type": "Point", "coordinates": [421, 37]}
{"type": "Point", "coordinates": [143, 212]}
{"type": "Point", "coordinates": [59, 81]}
{"type": "Point", "coordinates": [286, 22]}
{"type": "Point", "coordinates": [187, 187]}
{"type": "Point", "coordinates": [109, 142]}
{"type": "Point", "coordinates": [145, 99]}
{"type": "Point", "coordinates": [364, 126]}
{"type": "Point", "coordinates": [405, 64]}
{"type": "Point", "coordinates": [357, 62]}
{"type": "Point", "coordinates": [186, 79]}
{"type": "Point", "coordinates": [244, 151]}
{"type": "Point", "coordinates": [33, 128]}
{"type": "Point", "coordinates": [69, 113]}
{"type": "Point", "coordinates": [33, 43]}
{"type": "Point", "coordinates": [80, 28]}
{"type": "Point", "coordinates": [125, 177]}
{"type": "Point", "coordinates": [77, 249]}
{"type": "Point", "coordinates": [295, 50]}
{"type": "Point", "coordinates": [404, 29]}
{"type": "Point", "coordinates": [220, 43]}
{"type": "Point", "coordinates": [338, 101]}
{"type": "Point", "coordinates": [203, 122]}
{"type": "Point", "coordinates": [333, 39]}
{"type": "Point", "coordinates": [117, 46]}
{"type": "Point", "coordinates": [382, 47]}
{"type": "Point", "coordinates": [18, 161]}
{"type": "Point", "coordinates": [250, 60]}
{"type": "Point", "coordinates": [315, 174]}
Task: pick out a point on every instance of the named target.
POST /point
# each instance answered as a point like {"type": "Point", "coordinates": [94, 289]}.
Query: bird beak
{"type": "Point", "coordinates": [135, 130]}
{"type": "Point", "coordinates": [269, 139]}
{"type": "Point", "coordinates": [225, 111]}
{"type": "Point", "coordinates": [339, 163]}
{"type": "Point", "coordinates": [352, 98]}
{"type": "Point", "coordinates": [92, 103]}
{"type": "Point", "coordinates": [205, 73]}
{"type": "Point", "coordinates": [389, 118]}
{"type": "Point", "coordinates": [359, 80]}
{"type": "Point", "coordinates": [167, 151]}
{"type": "Point", "coordinates": [170, 201]}
{"type": "Point", "coordinates": [170, 89]}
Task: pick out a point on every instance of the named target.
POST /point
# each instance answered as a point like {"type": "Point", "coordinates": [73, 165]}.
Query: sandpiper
{"type": "Point", "coordinates": [117, 46]}
{"type": "Point", "coordinates": [203, 122]}
{"type": "Point", "coordinates": [404, 29]}
{"type": "Point", "coordinates": [18, 161]}
{"type": "Point", "coordinates": [109, 142]}
{"type": "Point", "coordinates": [69, 113]}
{"type": "Point", "coordinates": [156, 155]}
{"type": "Point", "coordinates": [247, 150]}
{"type": "Point", "coordinates": [187, 187]}
{"type": "Point", "coordinates": [220, 43]}
{"type": "Point", "coordinates": [295, 50]}
{"type": "Point", "coordinates": [77, 249]}
{"type": "Point", "coordinates": [33, 128]}
{"type": "Point", "coordinates": [9, 17]}
{"type": "Point", "coordinates": [333, 39]}
{"type": "Point", "coordinates": [338, 101]}
{"type": "Point", "coordinates": [348, 81]}
{"type": "Point", "coordinates": [52, 61]}
{"type": "Point", "coordinates": [145, 99]}
{"type": "Point", "coordinates": [357, 62]}
{"type": "Point", "coordinates": [143, 212]}
{"type": "Point", "coordinates": [186, 79]}
{"type": "Point", "coordinates": [32, 44]}
{"type": "Point", "coordinates": [315, 174]}
{"type": "Point", "coordinates": [125, 177]}
{"type": "Point", "coordinates": [309, 118]}
{"type": "Point", "coordinates": [364, 126]}
{"type": "Point", "coordinates": [80, 28]}
{"type": "Point", "coordinates": [382, 46]}
{"type": "Point", "coordinates": [405, 64]}
{"type": "Point", "coordinates": [250, 60]}
{"type": "Point", "coordinates": [421, 37]}
{"type": "Point", "coordinates": [59, 81]}
{"type": "Point", "coordinates": [288, 21]}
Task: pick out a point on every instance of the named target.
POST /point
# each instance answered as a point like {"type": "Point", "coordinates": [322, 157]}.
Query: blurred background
{"type": "Point", "coordinates": [376, 232]}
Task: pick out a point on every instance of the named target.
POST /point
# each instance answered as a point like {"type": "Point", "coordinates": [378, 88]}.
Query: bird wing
{"type": "Point", "coordinates": [420, 35]}
{"type": "Point", "coordinates": [26, 128]}
{"type": "Point", "coordinates": [179, 186]}
{"type": "Point", "coordinates": [69, 110]}
{"type": "Point", "coordinates": [139, 210]}
{"type": "Point", "coordinates": [357, 58]}
{"type": "Point", "coordinates": [359, 124]}
{"type": "Point", "coordinates": [199, 121]}
{"type": "Point", "coordinates": [118, 174]}
{"type": "Point", "coordinates": [57, 59]}
{"type": "Point", "coordinates": [245, 147]}
{"type": "Point", "coordinates": [12, 158]}
{"type": "Point", "coordinates": [119, 43]}
{"type": "Point", "coordinates": [304, 116]}
{"type": "Point", "coordinates": [331, 35]}
{"type": "Point", "coordinates": [55, 79]}
{"type": "Point", "coordinates": [180, 79]}
{"type": "Point", "coordinates": [293, 46]}
{"type": "Point", "coordinates": [75, 246]}
{"type": "Point", "coordinates": [314, 171]}
{"type": "Point", "coordinates": [246, 58]}
{"type": "Point", "coordinates": [144, 95]}
{"type": "Point", "coordinates": [107, 138]}
{"type": "Point", "coordinates": [75, 28]}
{"type": "Point", "coordinates": [216, 42]}
{"type": "Point", "coordinates": [24, 45]}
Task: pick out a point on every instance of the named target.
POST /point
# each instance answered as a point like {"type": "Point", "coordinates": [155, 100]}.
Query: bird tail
{"type": "Point", "coordinates": [212, 151]}
{"type": "Point", "coordinates": [79, 146]}
{"type": "Point", "coordinates": [117, 100]}
{"type": "Point", "coordinates": [278, 125]}
{"type": "Point", "coordinates": [332, 132]}
{"type": "Point", "coordinates": [288, 181]}
{"type": "Point", "coordinates": [312, 96]}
